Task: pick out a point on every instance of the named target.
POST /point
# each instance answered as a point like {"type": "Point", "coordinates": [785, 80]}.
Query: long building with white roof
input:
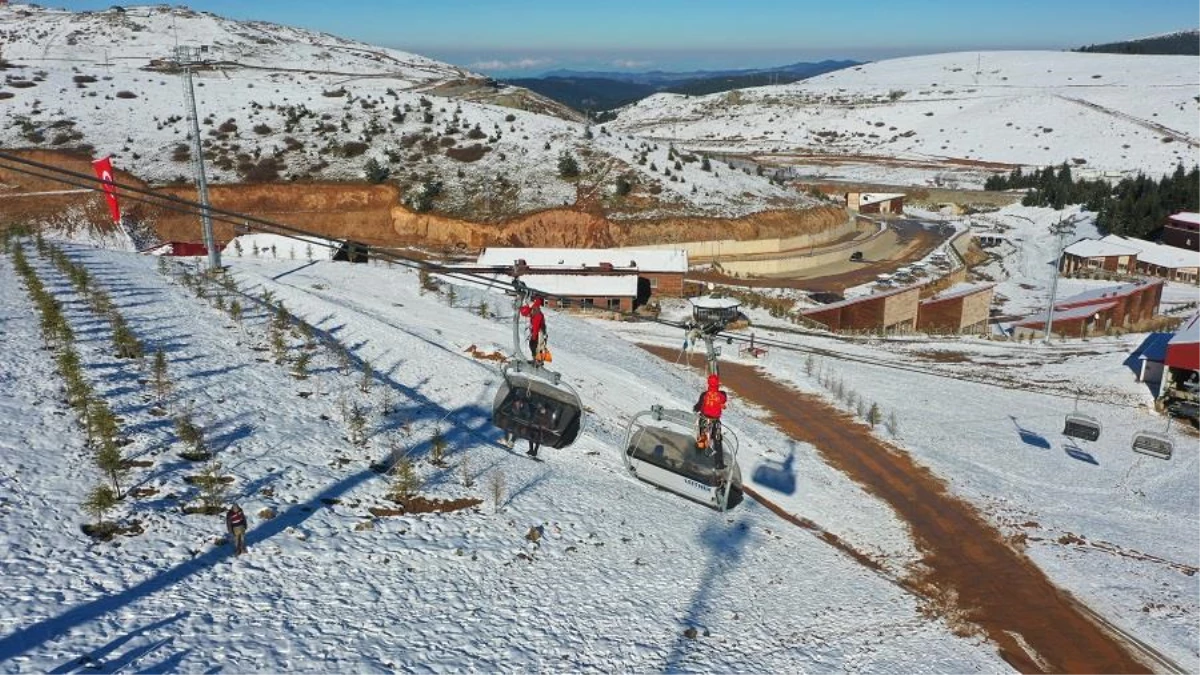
{"type": "Point", "coordinates": [655, 271]}
{"type": "Point", "coordinates": [1128, 256]}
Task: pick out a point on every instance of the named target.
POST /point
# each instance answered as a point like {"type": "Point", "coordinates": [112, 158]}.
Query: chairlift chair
{"type": "Point", "coordinates": [1083, 427]}
{"type": "Point", "coordinates": [534, 404]}
{"type": "Point", "coordinates": [1154, 444]}
{"type": "Point", "coordinates": [660, 449]}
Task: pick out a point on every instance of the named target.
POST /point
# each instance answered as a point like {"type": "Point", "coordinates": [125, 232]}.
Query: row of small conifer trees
{"type": "Point", "coordinates": [97, 418]}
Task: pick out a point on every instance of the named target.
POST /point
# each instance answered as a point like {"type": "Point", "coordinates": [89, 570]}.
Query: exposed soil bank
{"type": "Point", "coordinates": [374, 214]}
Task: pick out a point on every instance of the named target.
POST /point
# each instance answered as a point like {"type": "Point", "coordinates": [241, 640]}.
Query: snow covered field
{"type": "Point", "coordinates": [619, 573]}
{"type": "Point", "coordinates": [1113, 112]}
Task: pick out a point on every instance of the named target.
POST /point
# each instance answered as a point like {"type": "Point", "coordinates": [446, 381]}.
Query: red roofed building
{"type": "Point", "coordinates": [1183, 351]}
{"type": "Point", "coordinates": [1096, 310]}
{"type": "Point", "coordinates": [1182, 230]}
{"type": "Point", "coordinates": [892, 311]}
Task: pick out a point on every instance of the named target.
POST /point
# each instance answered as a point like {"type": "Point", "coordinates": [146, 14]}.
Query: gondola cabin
{"type": "Point", "coordinates": [534, 404]}
{"type": "Point", "coordinates": [660, 449]}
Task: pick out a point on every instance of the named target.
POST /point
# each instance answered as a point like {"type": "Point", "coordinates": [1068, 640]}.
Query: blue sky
{"type": "Point", "coordinates": [527, 37]}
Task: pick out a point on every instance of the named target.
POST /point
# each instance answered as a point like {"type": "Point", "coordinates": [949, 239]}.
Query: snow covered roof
{"type": "Point", "coordinates": [1161, 255]}
{"type": "Point", "coordinates": [1189, 332]}
{"type": "Point", "coordinates": [709, 302]}
{"type": "Point", "coordinates": [876, 197]}
{"type": "Point", "coordinates": [1103, 294]}
{"type": "Point", "coordinates": [1068, 314]}
{"type": "Point", "coordinates": [957, 291]}
{"type": "Point", "coordinates": [1099, 248]}
{"type": "Point", "coordinates": [862, 298]}
{"type": "Point", "coordinates": [583, 285]}
{"type": "Point", "coordinates": [648, 260]}
{"type": "Point", "coordinates": [1185, 217]}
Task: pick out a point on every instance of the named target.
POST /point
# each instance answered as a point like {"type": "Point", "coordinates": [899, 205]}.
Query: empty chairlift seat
{"type": "Point", "coordinates": [1153, 444]}
{"type": "Point", "coordinates": [533, 404]}
{"type": "Point", "coordinates": [1083, 427]}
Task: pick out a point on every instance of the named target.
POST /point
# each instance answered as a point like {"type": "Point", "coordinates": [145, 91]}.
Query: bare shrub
{"type": "Point", "coordinates": [497, 485]}
{"type": "Point", "coordinates": [893, 425]}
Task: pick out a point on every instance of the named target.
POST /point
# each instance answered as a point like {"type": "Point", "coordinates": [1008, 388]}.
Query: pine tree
{"type": "Point", "coordinates": [437, 448]}
{"type": "Point", "coordinates": [405, 482]}
{"type": "Point", "coordinates": [160, 378]}
{"type": "Point", "coordinates": [364, 384]}
{"type": "Point", "coordinates": [99, 502]}
{"type": "Point", "coordinates": [568, 166]}
{"type": "Point", "coordinates": [212, 488]}
{"type": "Point", "coordinates": [874, 415]}
{"type": "Point", "coordinates": [109, 461]}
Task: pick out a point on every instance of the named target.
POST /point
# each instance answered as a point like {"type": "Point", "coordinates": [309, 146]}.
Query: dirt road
{"type": "Point", "coordinates": [972, 576]}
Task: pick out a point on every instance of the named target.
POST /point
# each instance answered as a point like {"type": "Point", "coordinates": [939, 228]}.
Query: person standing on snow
{"type": "Point", "coordinates": [537, 328]}
{"type": "Point", "coordinates": [710, 405]}
{"type": "Point", "coordinates": [235, 523]}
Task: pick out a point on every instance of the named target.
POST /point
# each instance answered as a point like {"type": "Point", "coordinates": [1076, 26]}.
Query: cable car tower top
{"type": "Point", "coordinates": [711, 314]}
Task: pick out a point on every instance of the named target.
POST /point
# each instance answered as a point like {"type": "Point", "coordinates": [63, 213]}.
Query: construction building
{"type": "Point", "coordinates": [1182, 231]}
{"type": "Point", "coordinates": [1130, 256]}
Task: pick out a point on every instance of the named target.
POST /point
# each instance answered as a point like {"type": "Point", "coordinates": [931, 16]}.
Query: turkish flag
{"type": "Point", "coordinates": [104, 172]}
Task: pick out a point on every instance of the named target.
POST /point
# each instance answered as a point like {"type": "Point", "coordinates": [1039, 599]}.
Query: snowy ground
{"type": "Point", "coordinates": [1102, 112]}
{"type": "Point", "coordinates": [1116, 529]}
{"type": "Point", "coordinates": [620, 572]}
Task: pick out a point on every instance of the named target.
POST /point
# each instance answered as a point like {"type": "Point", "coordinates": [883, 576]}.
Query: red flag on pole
{"type": "Point", "coordinates": [104, 171]}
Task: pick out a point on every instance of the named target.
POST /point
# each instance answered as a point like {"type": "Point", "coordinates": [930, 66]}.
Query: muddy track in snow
{"type": "Point", "coordinates": [970, 574]}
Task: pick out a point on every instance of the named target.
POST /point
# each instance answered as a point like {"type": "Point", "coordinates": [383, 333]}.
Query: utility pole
{"type": "Point", "coordinates": [186, 58]}
{"type": "Point", "coordinates": [1062, 229]}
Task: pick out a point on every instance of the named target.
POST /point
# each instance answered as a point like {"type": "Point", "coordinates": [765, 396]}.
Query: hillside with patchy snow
{"type": "Point", "coordinates": [281, 103]}
{"type": "Point", "coordinates": [1099, 112]}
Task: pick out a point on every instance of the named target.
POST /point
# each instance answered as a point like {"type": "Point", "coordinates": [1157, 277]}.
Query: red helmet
{"type": "Point", "coordinates": [714, 382]}
{"type": "Point", "coordinates": [537, 302]}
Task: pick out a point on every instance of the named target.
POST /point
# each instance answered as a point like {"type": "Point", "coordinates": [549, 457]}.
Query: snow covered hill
{"type": "Point", "coordinates": [1100, 112]}
{"type": "Point", "coordinates": [284, 103]}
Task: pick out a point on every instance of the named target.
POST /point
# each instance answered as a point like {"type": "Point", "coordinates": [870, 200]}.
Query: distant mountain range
{"type": "Point", "coordinates": [606, 90]}
{"type": "Point", "coordinates": [1185, 42]}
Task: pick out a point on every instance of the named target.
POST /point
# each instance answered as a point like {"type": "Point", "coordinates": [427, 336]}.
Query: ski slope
{"type": "Point", "coordinates": [620, 572]}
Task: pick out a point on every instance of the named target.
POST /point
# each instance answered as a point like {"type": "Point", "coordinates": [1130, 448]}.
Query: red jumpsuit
{"type": "Point", "coordinates": [537, 326]}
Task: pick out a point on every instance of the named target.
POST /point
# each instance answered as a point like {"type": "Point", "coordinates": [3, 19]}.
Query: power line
{"type": "Point", "coordinates": [178, 204]}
